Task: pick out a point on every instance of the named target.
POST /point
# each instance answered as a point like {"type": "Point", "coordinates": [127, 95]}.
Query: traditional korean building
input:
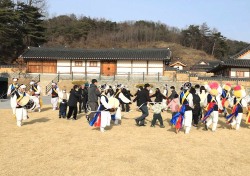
{"type": "Point", "coordinates": [99, 61]}
{"type": "Point", "coordinates": [177, 64]}
{"type": "Point", "coordinates": [204, 65]}
{"type": "Point", "coordinates": [236, 66]}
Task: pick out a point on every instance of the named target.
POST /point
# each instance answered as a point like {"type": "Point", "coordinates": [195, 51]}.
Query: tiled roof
{"type": "Point", "coordinates": [240, 53]}
{"type": "Point", "coordinates": [96, 54]}
{"type": "Point", "coordinates": [238, 63]}
{"type": "Point", "coordinates": [208, 66]}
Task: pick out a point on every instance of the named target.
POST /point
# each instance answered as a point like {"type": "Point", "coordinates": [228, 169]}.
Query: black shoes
{"type": "Point", "coordinates": [162, 126]}
{"type": "Point", "coordinates": [137, 122]}
{"type": "Point", "coordinates": [142, 125]}
{"type": "Point", "coordinates": [152, 126]}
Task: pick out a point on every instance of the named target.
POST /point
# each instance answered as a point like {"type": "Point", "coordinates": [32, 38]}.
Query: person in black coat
{"type": "Point", "coordinates": [158, 95]}
{"type": "Point", "coordinates": [137, 99]}
{"type": "Point", "coordinates": [173, 92]}
{"type": "Point", "coordinates": [72, 103]}
{"type": "Point", "coordinates": [128, 95]}
{"type": "Point", "coordinates": [197, 107]}
{"type": "Point", "coordinates": [143, 99]}
{"type": "Point", "coordinates": [82, 99]}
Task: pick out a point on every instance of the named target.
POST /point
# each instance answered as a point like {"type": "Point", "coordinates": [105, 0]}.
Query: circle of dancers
{"type": "Point", "coordinates": [194, 106]}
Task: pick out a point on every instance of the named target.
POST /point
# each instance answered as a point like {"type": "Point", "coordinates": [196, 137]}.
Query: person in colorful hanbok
{"type": "Point", "coordinates": [102, 116]}
{"type": "Point", "coordinates": [237, 104]}
{"type": "Point", "coordinates": [184, 116]}
{"type": "Point", "coordinates": [212, 104]}
{"type": "Point", "coordinates": [225, 96]}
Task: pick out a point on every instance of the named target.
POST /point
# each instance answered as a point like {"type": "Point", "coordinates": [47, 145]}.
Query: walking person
{"type": "Point", "coordinates": [63, 103]}
{"type": "Point", "coordinates": [173, 92]}
{"type": "Point", "coordinates": [93, 94]}
{"type": "Point", "coordinates": [157, 109]}
{"type": "Point", "coordinates": [11, 92]}
{"type": "Point", "coordinates": [21, 111]}
{"type": "Point", "coordinates": [143, 99]}
{"type": "Point", "coordinates": [54, 95]}
{"type": "Point", "coordinates": [158, 95]}
{"type": "Point", "coordinates": [82, 92]}
{"type": "Point", "coordinates": [196, 110]}
{"type": "Point", "coordinates": [72, 103]}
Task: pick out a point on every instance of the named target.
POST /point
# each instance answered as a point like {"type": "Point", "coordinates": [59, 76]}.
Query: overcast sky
{"type": "Point", "coordinates": [230, 17]}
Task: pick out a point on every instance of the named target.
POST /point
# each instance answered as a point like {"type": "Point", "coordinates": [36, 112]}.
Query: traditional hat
{"type": "Point", "coordinates": [227, 86]}
{"type": "Point", "coordinates": [146, 85]}
{"type": "Point", "coordinates": [15, 79]}
{"type": "Point", "coordinates": [239, 91]}
{"type": "Point", "coordinates": [187, 85]}
{"type": "Point", "coordinates": [119, 86]}
{"type": "Point", "coordinates": [53, 84]}
{"type": "Point", "coordinates": [104, 87]}
{"type": "Point", "coordinates": [214, 88]}
{"type": "Point", "coordinates": [32, 82]}
{"type": "Point", "coordinates": [23, 86]}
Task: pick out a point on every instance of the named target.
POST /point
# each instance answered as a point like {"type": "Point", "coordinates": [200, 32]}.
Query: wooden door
{"type": "Point", "coordinates": [108, 68]}
{"type": "Point", "coordinates": [49, 67]}
{"type": "Point", "coordinates": [34, 66]}
{"type": "Point", "coordinates": [42, 66]}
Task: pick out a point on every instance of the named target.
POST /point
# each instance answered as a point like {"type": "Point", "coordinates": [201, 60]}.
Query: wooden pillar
{"type": "Point", "coordinates": [147, 67]}
{"type": "Point", "coordinates": [42, 66]}
{"type": "Point", "coordinates": [85, 67]}
{"type": "Point", "coordinates": [70, 66]}
{"type": "Point", "coordinates": [131, 66]}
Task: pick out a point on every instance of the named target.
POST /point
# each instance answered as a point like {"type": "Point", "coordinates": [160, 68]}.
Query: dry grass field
{"type": "Point", "coordinates": [47, 145]}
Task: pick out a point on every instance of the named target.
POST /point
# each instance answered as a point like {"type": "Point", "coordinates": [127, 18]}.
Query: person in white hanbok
{"type": "Point", "coordinates": [11, 92]}
{"type": "Point", "coordinates": [54, 95]}
{"type": "Point", "coordinates": [21, 111]}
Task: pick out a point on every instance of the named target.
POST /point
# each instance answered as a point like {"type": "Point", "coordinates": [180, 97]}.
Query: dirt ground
{"type": "Point", "coordinates": [47, 145]}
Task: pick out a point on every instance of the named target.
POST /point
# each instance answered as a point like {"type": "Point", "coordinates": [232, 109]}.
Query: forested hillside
{"type": "Point", "coordinates": [23, 25]}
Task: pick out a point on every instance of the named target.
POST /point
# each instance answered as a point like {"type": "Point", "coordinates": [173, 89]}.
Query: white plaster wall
{"type": "Point", "coordinates": [233, 73]}
{"type": "Point", "coordinates": [139, 63]}
{"type": "Point", "coordinates": [246, 74]}
{"type": "Point", "coordinates": [63, 63]}
{"type": "Point", "coordinates": [139, 70]}
{"type": "Point", "coordinates": [180, 67]}
{"type": "Point", "coordinates": [246, 56]}
{"type": "Point", "coordinates": [155, 70]}
{"type": "Point", "coordinates": [78, 69]}
{"type": "Point", "coordinates": [123, 70]}
{"type": "Point", "coordinates": [93, 69]}
{"type": "Point", "coordinates": [63, 69]}
{"type": "Point", "coordinates": [155, 63]}
{"type": "Point", "coordinates": [121, 63]}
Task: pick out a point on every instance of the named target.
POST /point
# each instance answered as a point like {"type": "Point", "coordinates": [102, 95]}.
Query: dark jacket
{"type": "Point", "coordinates": [196, 101]}
{"type": "Point", "coordinates": [158, 96]}
{"type": "Point", "coordinates": [93, 93]}
{"type": "Point", "coordinates": [73, 98]}
{"type": "Point", "coordinates": [171, 97]}
{"type": "Point", "coordinates": [143, 97]}
{"type": "Point", "coordinates": [83, 94]}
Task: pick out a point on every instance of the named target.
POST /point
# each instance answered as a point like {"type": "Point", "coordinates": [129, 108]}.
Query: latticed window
{"type": "Point", "coordinates": [93, 64]}
{"type": "Point", "coordinates": [78, 63]}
